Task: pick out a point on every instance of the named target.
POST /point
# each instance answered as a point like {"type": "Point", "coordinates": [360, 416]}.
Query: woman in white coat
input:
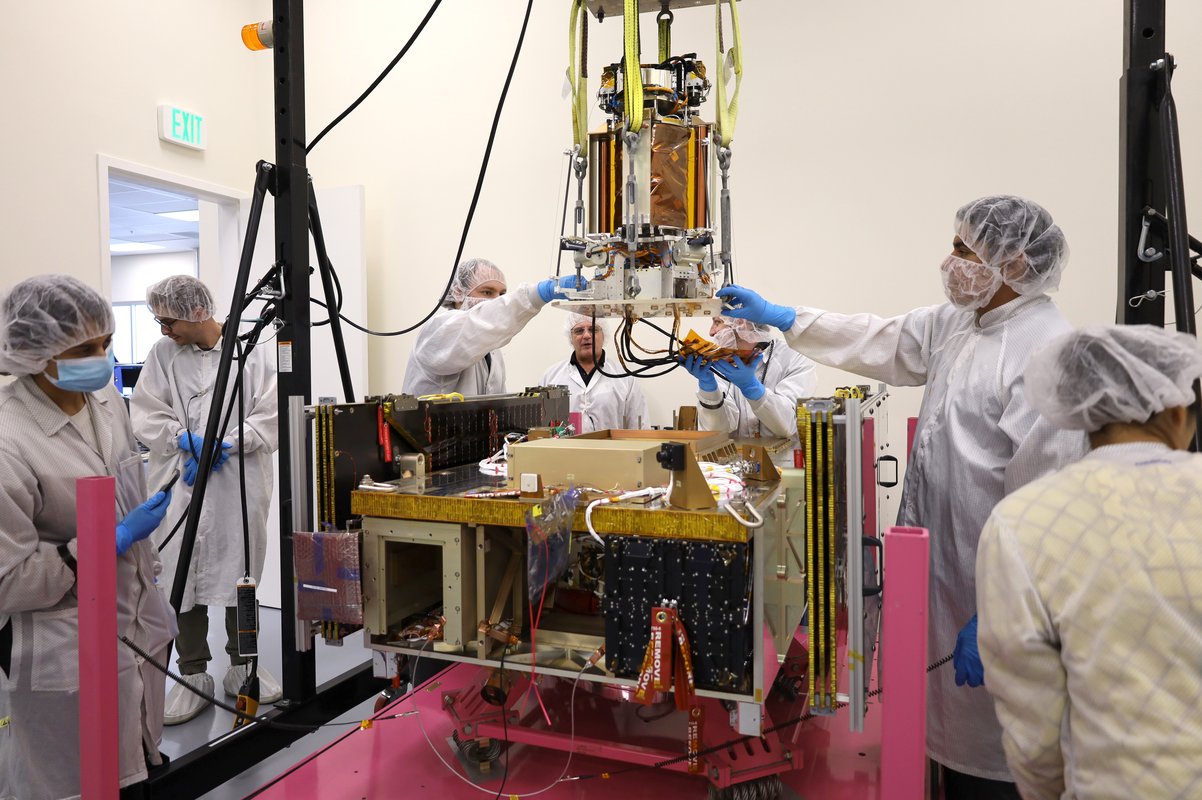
{"type": "Point", "coordinates": [758, 392]}
{"type": "Point", "coordinates": [458, 350]}
{"type": "Point", "coordinates": [61, 420]}
{"type": "Point", "coordinates": [603, 402]}
{"type": "Point", "coordinates": [978, 436]}
{"type": "Point", "coordinates": [1089, 581]}
{"type": "Point", "coordinates": [170, 409]}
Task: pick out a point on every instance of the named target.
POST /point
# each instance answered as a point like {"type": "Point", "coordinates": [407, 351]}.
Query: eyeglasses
{"type": "Point", "coordinates": [166, 323]}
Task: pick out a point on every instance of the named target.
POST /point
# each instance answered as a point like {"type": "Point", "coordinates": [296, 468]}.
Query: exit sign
{"type": "Point", "coordinates": [182, 127]}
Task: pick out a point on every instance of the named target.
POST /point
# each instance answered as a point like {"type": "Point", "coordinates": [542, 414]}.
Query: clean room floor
{"type": "Point", "coordinates": [215, 722]}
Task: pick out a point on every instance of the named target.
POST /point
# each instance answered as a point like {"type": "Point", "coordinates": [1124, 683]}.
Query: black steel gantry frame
{"type": "Point", "coordinates": [304, 703]}
{"type": "Point", "coordinates": [1153, 233]}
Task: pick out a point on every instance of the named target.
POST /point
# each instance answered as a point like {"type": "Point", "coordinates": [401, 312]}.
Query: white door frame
{"type": "Point", "coordinates": [221, 220]}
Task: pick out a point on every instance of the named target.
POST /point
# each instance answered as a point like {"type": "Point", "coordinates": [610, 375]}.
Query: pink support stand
{"type": "Point", "coordinates": [95, 528]}
{"type": "Point", "coordinates": [903, 665]}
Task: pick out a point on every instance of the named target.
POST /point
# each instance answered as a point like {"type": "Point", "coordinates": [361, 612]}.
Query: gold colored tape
{"type": "Point", "coordinates": [806, 432]}
{"type": "Point", "coordinates": [830, 552]}
{"type": "Point", "coordinates": [662, 523]}
{"type": "Point", "coordinates": [690, 193]}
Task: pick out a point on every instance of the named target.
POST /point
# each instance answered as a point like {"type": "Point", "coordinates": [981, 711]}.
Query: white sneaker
{"type": "Point", "coordinates": [269, 688]}
{"type": "Point", "coordinates": [182, 704]}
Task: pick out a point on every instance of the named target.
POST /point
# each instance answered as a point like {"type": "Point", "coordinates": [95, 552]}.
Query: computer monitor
{"type": "Point", "coordinates": [125, 376]}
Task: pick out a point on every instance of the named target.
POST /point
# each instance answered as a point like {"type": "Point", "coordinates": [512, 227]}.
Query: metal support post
{"type": "Point", "coordinates": [293, 340]}
{"type": "Point", "coordinates": [1139, 162]}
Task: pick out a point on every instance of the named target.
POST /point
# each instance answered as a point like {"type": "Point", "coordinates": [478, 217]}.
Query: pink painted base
{"type": "Point", "coordinates": [392, 759]}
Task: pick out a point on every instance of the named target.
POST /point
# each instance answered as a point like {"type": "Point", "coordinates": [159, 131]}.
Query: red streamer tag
{"type": "Point", "coordinates": [686, 687]}
{"type": "Point", "coordinates": [385, 435]}
{"type": "Point", "coordinates": [695, 724]}
{"type": "Point", "coordinates": [656, 672]}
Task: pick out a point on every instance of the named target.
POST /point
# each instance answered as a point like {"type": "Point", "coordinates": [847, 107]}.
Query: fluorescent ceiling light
{"type": "Point", "coordinates": [133, 247]}
{"type": "Point", "coordinates": [182, 216]}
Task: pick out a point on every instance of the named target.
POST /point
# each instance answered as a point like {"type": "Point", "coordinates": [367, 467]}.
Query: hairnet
{"type": "Point", "coordinates": [47, 315]}
{"type": "Point", "coordinates": [740, 334]}
{"type": "Point", "coordinates": [470, 274]}
{"type": "Point", "coordinates": [1015, 236]}
{"type": "Point", "coordinates": [180, 297]}
{"type": "Point", "coordinates": [1089, 378]}
{"type": "Point", "coordinates": [583, 319]}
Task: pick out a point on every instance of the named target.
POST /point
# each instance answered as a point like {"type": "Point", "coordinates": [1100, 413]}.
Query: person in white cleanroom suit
{"type": "Point", "coordinates": [758, 392]}
{"type": "Point", "coordinates": [978, 437]}
{"type": "Point", "coordinates": [604, 402]}
{"type": "Point", "coordinates": [1089, 581]}
{"type": "Point", "coordinates": [170, 409]}
{"type": "Point", "coordinates": [60, 420]}
{"type": "Point", "coordinates": [458, 349]}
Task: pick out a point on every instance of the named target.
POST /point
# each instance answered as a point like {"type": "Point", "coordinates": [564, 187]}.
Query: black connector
{"type": "Point", "coordinates": [671, 456]}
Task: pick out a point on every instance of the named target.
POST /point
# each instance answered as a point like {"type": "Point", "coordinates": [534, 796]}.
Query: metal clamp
{"type": "Point", "coordinates": [1147, 254]}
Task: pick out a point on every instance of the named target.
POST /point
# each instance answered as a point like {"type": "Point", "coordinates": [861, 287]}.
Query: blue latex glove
{"type": "Point", "coordinates": [746, 304]}
{"type": "Point", "coordinates": [222, 456]}
{"type": "Point", "coordinates": [190, 443]}
{"type": "Point", "coordinates": [142, 521]}
{"type": "Point", "coordinates": [190, 468]}
{"type": "Point", "coordinates": [550, 289]}
{"type": "Point", "coordinates": [743, 375]}
{"type": "Point", "coordinates": [966, 657]}
{"type": "Point", "coordinates": [705, 378]}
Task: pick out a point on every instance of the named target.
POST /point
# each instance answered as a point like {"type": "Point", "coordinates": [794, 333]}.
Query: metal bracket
{"type": "Point", "coordinates": [1145, 253]}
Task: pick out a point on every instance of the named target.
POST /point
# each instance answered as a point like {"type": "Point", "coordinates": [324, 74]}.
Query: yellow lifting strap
{"type": "Point", "coordinates": [664, 22]}
{"type": "Point", "coordinates": [632, 75]}
{"type": "Point", "coordinates": [578, 76]}
{"type": "Point", "coordinates": [728, 113]}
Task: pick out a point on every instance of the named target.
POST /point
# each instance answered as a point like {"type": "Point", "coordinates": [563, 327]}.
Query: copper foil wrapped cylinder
{"type": "Point", "coordinates": [676, 191]}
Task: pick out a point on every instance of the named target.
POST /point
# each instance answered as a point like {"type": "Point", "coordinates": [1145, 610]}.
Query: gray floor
{"type": "Point", "coordinates": [215, 722]}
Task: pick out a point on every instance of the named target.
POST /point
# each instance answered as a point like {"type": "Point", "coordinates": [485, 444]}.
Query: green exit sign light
{"type": "Point", "coordinates": [182, 127]}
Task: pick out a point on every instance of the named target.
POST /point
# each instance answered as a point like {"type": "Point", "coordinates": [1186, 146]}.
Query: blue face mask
{"type": "Point", "coordinates": [89, 374]}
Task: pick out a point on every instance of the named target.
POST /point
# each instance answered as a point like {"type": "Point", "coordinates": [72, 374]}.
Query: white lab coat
{"type": "Point", "coordinates": [604, 403]}
{"type": "Point", "coordinates": [1089, 592]}
{"type": "Point", "coordinates": [173, 395]}
{"type": "Point", "coordinates": [787, 376]}
{"type": "Point", "coordinates": [978, 439]}
{"type": "Point", "coordinates": [449, 355]}
{"type": "Point", "coordinates": [42, 454]}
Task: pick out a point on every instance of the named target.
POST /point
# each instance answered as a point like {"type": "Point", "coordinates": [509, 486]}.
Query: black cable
{"type": "Point", "coordinates": [242, 460]}
{"type": "Point", "coordinates": [377, 81]}
{"type": "Point", "coordinates": [285, 726]}
{"type": "Point", "coordinates": [563, 216]}
{"type": "Point", "coordinates": [504, 726]}
{"type": "Point", "coordinates": [337, 294]}
{"type": "Point", "coordinates": [471, 212]}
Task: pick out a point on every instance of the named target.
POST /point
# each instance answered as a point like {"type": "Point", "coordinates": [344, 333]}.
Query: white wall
{"type": "Point", "coordinates": [864, 125]}
{"type": "Point", "coordinates": [86, 78]}
{"type": "Point", "coordinates": [133, 274]}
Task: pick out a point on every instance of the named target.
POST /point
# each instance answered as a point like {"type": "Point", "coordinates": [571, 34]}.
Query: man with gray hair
{"type": "Point", "coordinates": [1089, 581]}
{"type": "Point", "coordinates": [604, 401]}
{"type": "Point", "coordinates": [760, 385]}
{"type": "Point", "coordinates": [170, 409]}
{"type": "Point", "coordinates": [978, 437]}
